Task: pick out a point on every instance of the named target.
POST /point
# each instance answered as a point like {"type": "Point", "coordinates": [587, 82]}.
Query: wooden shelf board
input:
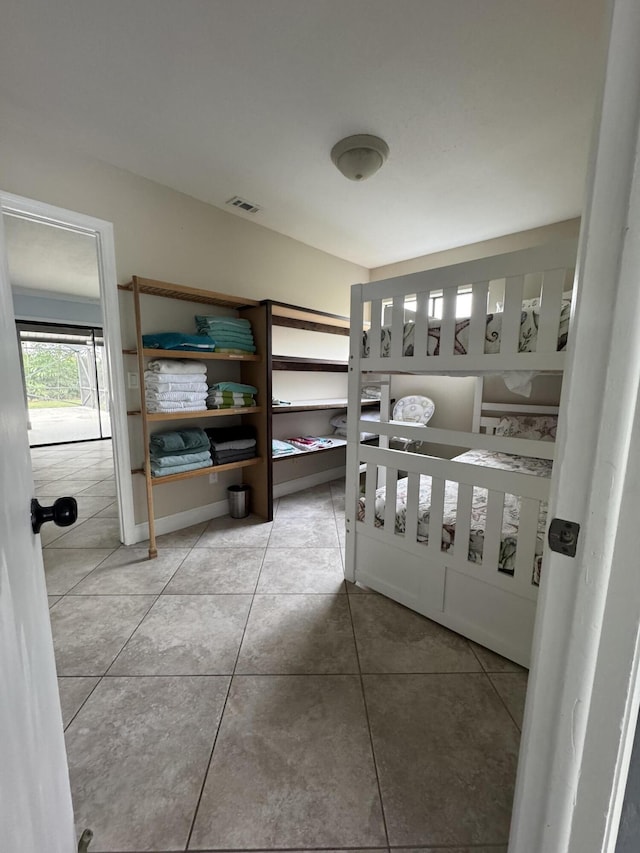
{"type": "Point", "coordinates": [338, 442]}
{"type": "Point", "coordinates": [188, 294]}
{"type": "Point", "coordinates": [289, 362]}
{"type": "Point", "coordinates": [208, 413]}
{"type": "Point", "coordinates": [202, 356]}
{"type": "Point", "coordinates": [319, 405]}
{"type": "Point", "coordinates": [312, 315]}
{"type": "Point", "coordinates": [200, 472]}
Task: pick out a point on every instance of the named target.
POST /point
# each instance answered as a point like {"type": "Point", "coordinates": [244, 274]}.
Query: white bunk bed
{"type": "Point", "coordinates": [480, 576]}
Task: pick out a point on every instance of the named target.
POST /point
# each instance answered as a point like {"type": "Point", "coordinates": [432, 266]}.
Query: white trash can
{"type": "Point", "coordinates": [238, 500]}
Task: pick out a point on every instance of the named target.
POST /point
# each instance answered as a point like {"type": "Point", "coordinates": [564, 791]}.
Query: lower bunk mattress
{"type": "Point", "coordinates": [510, 519]}
{"type": "Point", "coordinates": [527, 341]}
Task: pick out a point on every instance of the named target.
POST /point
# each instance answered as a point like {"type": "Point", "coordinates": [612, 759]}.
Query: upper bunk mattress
{"type": "Point", "coordinates": [527, 339]}
{"type": "Point", "coordinates": [510, 519]}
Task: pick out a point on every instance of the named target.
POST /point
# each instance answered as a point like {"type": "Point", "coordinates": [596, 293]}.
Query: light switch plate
{"type": "Point", "coordinates": [132, 380]}
{"type": "Point", "coordinates": [213, 478]}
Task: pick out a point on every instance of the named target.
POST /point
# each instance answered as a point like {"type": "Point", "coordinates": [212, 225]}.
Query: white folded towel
{"type": "Point", "coordinates": [155, 406]}
{"type": "Point", "coordinates": [176, 396]}
{"type": "Point", "coordinates": [162, 380]}
{"type": "Point", "coordinates": [177, 366]}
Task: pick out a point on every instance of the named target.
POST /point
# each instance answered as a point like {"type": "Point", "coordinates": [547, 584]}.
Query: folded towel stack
{"type": "Point", "coordinates": [177, 341]}
{"type": "Point", "coordinates": [178, 451]}
{"type": "Point", "coordinates": [230, 334]}
{"type": "Point", "coordinates": [176, 385]}
{"type": "Point", "coordinates": [232, 444]}
{"type": "Point", "coordinates": [230, 395]}
{"type": "Point", "coordinates": [311, 442]}
{"type": "Point", "coordinates": [282, 448]}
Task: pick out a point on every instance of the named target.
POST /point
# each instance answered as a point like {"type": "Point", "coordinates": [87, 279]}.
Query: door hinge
{"type": "Point", "coordinates": [85, 840]}
{"type": "Point", "coordinates": [563, 536]}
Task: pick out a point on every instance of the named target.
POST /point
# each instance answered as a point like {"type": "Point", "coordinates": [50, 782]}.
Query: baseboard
{"type": "Point", "coordinates": [180, 520]}
{"type": "Point", "coordinates": [288, 487]}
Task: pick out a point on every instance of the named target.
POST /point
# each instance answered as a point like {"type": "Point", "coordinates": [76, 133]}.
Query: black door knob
{"type": "Point", "coordinates": [64, 512]}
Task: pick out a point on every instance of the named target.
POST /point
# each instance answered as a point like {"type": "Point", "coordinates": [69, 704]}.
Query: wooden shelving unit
{"type": "Point", "coordinates": [254, 370]}
{"type": "Point", "coordinates": [311, 320]}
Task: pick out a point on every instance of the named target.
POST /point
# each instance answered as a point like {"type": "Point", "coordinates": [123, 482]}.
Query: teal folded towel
{"type": "Point", "coordinates": [181, 459]}
{"type": "Point", "coordinates": [179, 440]}
{"type": "Point", "coordinates": [234, 387]}
{"type": "Point", "coordinates": [178, 341]}
{"type": "Point", "coordinates": [214, 320]}
{"type": "Point", "coordinates": [178, 469]}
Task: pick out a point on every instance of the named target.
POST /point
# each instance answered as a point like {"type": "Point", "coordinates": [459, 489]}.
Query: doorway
{"type": "Point", "coordinates": [66, 383]}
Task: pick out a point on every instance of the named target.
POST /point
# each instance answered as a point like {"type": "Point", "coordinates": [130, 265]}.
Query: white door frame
{"type": "Point", "coordinates": [38, 211]}
{"type": "Point", "coordinates": [584, 690]}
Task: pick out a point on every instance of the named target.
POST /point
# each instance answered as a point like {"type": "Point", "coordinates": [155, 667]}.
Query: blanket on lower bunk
{"type": "Point", "coordinates": [490, 459]}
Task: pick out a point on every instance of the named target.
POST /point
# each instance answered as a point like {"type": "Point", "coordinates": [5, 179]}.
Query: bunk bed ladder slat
{"type": "Point", "coordinates": [448, 322]}
{"type": "Point", "coordinates": [371, 476]}
{"type": "Point", "coordinates": [493, 529]}
{"type": "Point", "coordinates": [374, 336]}
{"type": "Point", "coordinates": [436, 514]}
{"type": "Point", "coordinates": [397, 327]}
{"type": "Point", "coordinates": [391, 491]}
{"type": "Point", "coordinates": [463, 523]}
{"type": "Point", "coordinates": [413, 497]}
{"type": "Point", "coordinates": [421, 334]}
{"type": "Point", "coordinates": [550, 308]}
{"type": "Point", "coordinates": [526, 547]}
{"type": "Point", "coordinates": [478, 320]}
{"type": "Point", "coordinates": [510, 337]}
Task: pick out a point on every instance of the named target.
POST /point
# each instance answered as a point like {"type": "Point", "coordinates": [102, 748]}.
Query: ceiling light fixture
{"type": "Point", "coordinates": [360, 156]}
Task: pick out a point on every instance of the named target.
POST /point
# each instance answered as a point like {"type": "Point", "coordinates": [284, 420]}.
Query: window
{"type": "Point", "coordinates": [464, 303]}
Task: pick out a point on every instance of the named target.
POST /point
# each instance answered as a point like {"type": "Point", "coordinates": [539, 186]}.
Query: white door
{"type": "Point", "coordinates": [35, 799]}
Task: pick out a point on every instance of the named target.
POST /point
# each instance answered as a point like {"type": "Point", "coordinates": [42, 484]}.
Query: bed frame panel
{"type": "Point", "coordinates": [552, 264]}
{"type": "Point", "coordinates": [491, 607]}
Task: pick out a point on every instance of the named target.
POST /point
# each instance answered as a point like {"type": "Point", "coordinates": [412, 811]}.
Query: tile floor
{"type": "Point", "coordinates": [236, 694]}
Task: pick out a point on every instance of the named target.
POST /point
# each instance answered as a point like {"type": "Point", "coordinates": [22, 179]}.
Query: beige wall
{"type": "Point", "coordinates": [160, 233]}
{"type": "Point", "coordinates": [509, 243]}
{"type": "Point", "coordinates": [453, 396]}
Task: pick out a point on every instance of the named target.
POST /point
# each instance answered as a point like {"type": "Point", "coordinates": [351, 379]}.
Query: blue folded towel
{"type": "Point", "coordinates": [217, 321]}
{"type": "Point", "coordinates": [234, 387]}
{"type": "Point", "coordinates": [158, 471]}
{"type": "Point", "coordinates": [178, 341]}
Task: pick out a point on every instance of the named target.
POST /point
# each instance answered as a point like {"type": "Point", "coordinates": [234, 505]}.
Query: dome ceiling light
{"type": "Point", "coordinates": [360, 156]}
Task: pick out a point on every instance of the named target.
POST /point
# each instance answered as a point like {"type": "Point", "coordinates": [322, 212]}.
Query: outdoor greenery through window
{"type": "Point", "coordinates": [65, 383]}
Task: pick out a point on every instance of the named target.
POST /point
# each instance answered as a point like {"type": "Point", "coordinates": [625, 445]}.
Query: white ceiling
{"type": "Point", "coordinates": [486, 105]}
{"type": "Point", "coordinates": [56, 260]}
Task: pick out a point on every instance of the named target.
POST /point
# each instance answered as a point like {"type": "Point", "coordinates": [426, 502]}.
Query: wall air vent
{"type": "Point", "coordinates": [243, 204]}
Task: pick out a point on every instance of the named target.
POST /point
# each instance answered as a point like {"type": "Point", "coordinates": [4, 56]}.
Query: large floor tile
{"type": "Point", "coordinates": [65, 486]}
{"type": "Point", "coordinates": [491, 662]}
{"type": "Point", "coordinates": [300, 570]}
{"type": "Point", "coordinates": [90, 630]}
{"type": "Point", "coordinates": [501, 848]}
{"type": "Point", "coordinates": [292, 768]}
{"type": "Point", "coordinates": [304, 533]}
{"type": "Point", "coordinates": [187, 635]}
{"type": "Point", "coordinates": [391, 638]}
{"type": "Point", "coordinates": [92, 533]}
{"type": "Point", "coordinates": [218, 571]}
{"type": "Point", "coordinates": [185, 538]}
{"type": "Point", "coordinates": [138, 753]}
{"type": "Point", "coordinates": [73, 693]}
{"type": "Point", "coordinates": [298, 634]}
{"type": "Point", "coordinates": [310, 503]}
{"type": "Point", "coordinates": [129, 571]}
{"type": "Point", "coordinates": [53, 599]}
{"type": "Point", "coordinates": [226, 532]}
{"type": "Point", "coordinates": [446, 751]}
{"type": "Point", "coordinates": [105, 488]}
{"type": "Point", "coordinates": [88, 506]}
{"type": "Point", "coordinates": [512, 687]}
{"type": "Point", "coordinates": [65, 567]}
{"type": "Point", "coordinates": [110, 511]}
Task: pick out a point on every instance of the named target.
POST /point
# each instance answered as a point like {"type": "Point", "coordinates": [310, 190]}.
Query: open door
{"type": "Point", "coordinates": [35, 799]}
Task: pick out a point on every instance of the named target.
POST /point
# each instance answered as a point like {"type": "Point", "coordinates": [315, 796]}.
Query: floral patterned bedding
{"type": "Point", "coordinates": [490, 459]}
{"type": "Point", "coordinates": [527, 343]}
